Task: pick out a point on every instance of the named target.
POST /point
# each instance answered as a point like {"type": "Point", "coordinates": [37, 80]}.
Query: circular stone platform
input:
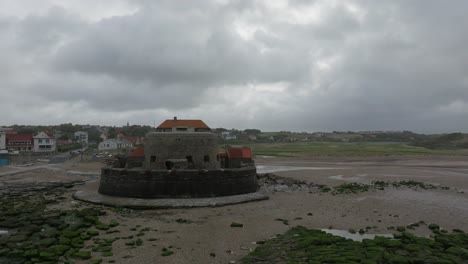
{"type": "Point", "coordinates": [169, 184]}
{"type": "Point", "coordinates": [92, 196]}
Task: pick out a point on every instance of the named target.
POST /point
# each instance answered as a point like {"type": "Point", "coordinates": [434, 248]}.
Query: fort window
{"type": "Point", "coordinates": [206, 158]}
{"type": "Point", "coordinates": [189, 159]}
{"type": "Point", "coordinates": [181, 129]}
{"type": "Point", "coordinates": [169, 165]}
{"type": "Point", "coordinates": [153, 159]}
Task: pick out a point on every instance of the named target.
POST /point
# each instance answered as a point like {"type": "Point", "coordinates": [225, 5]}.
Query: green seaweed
{"type": "Point", "coordinates": [302, 245]}
{"type": "Point", "coordinates": [48, 236]}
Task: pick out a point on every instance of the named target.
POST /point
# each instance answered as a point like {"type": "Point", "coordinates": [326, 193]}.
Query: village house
{"type": "Point", "coordinates": [183, 125]}
{"type": "Point", "coordinates": [104, 136]}
{"type": "Point", "coordinates": [81, 137]}
{"type": "Point", "coordinates": [4, 132]}
{"type": "Point", "coordinates": [136, 141]}
{"type": "Point", "coordinates": [114, 144]}
{"type": "Point", "coordinates": [44, 142]}
{"type": "Point", "coordinates": [2, 139]}
{"type": "Point", "coordinates": [19, 142]}
{"type": "Point", "coordinates": [63, 142]}
{"type": "Point", "coordinates": [226, 135]}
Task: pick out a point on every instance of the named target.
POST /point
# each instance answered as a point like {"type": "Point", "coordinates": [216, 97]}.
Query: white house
{"type": "Point", "coordinates": [2, 139]}
{"type": "Point", "coordinates": [104, 136]}
{"type": "Point", "coordinates": [81, 137]}
{"type": "Point", "coordinates": [112, 144]}
{"type": "Point", "coordinates": [44, 142]}
{"type": "Point", "coordinates": [226, 135]}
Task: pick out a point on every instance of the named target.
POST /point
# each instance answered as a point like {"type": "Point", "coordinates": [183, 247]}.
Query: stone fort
{"type": "Point", "coordinates": [182, 159]}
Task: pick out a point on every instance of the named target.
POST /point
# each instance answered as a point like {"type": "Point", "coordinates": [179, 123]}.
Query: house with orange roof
{"type": "Point", "coordinates": [19, 142]}
{"type": "Point", "coordinates": [183, 125]}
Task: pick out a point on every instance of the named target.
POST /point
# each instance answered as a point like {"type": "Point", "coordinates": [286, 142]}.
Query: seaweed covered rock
{"type": "Point", "coordinates": [302, 245]}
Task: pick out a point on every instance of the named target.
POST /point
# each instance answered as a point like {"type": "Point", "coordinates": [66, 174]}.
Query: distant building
{"type": "Point", "coordinates": [2, 139]}
{"type": "Point", "coordinates": [58, 134]}
{"type": "Point", "coordinates": [104, 136]}
{"type": "Point", "coordinates": [113, 144]}
{"type": "Point", "coordinates": [19, 142]}
{"type": "Point", "coordinates": [134, 140]}
{"type": "Point", "coordinates": [81, 137]}
{"type": "Point", "coordinates": [182, 125]}
{"type": "Point", "coordinates": [44, 142]}
{"type": "Point", "coordinates": [3, 135]}
{"type": "Point", "coordinates": [62, 142]}
{"type": "Point", "coordinates": [226, 135]}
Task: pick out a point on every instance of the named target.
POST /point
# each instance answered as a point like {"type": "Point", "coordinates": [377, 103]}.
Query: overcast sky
{"type": "Point", "coordinates": [299, 65]}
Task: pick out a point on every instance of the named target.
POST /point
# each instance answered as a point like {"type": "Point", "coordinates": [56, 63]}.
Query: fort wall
{"type": "Point", "coordinates": [140, 183]}
{"type": "Point", "coordinates": [184, 150]}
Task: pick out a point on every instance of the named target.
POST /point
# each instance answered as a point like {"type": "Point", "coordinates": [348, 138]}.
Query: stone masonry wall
{"type": "Point", "coordinates": [202, 147]}
{"type": "Point", "coordinates": [177, 184]}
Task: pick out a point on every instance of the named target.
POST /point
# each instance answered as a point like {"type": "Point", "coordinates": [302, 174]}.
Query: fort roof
{"type": "Point", "coordinates": [238, 152]}
{"type": "Point", "coordinates": [137, 153]}
{"type": "Point", "coordinates": [195, 123]}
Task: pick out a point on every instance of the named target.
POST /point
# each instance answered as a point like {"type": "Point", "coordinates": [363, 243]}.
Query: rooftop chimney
{"type": "Point", "coordinates": [175, 118]}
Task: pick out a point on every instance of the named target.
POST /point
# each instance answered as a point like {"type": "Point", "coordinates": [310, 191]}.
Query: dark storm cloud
{"type": "Point", "coordinates": [298, 65]}
{"type": "Point", "coordinates": [166, 50]}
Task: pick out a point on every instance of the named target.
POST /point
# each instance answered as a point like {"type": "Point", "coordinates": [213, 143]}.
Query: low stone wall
{"type": "Point", "coordinates": [138, 183]}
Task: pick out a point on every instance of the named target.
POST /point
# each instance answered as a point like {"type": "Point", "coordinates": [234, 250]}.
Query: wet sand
{"type": "Point", "coordinates": [193, 234]}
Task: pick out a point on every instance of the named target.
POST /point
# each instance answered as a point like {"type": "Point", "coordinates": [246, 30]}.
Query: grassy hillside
{"type": "Point", "coordinates": [447, 141]}
{"type": "Point", "coordinates": [297, 149]}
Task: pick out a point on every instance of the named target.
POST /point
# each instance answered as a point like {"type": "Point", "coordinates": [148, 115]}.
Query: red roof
{"type": "Point", "coordinates": [137, 153]}
{"type": "Point", "coordinates": [170, 123]}
{"type": "Point", "coordinates": [239, 152]}
{"type": "Point", "coordinates": [49, 133]}
{"type": "Point", "coordinates": [17, 137]}
{"type": "Point", "coordinates": [132, 140]}
{"type": "Point", "coordinates": [63, 142]}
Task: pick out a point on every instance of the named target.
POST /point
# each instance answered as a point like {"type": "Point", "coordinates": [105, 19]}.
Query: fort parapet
{"type": "Point", "coordinates": [139, 183]}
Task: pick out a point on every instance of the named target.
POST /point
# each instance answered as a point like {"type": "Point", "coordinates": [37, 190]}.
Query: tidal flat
{"type": "Point", "coordinates": [378, 196]}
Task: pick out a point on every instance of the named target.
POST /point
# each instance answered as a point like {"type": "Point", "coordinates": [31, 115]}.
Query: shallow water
{"type": "Point", "coordinates": [355, 237]}
{"type": "Point", "coordinates": [268, 169]}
